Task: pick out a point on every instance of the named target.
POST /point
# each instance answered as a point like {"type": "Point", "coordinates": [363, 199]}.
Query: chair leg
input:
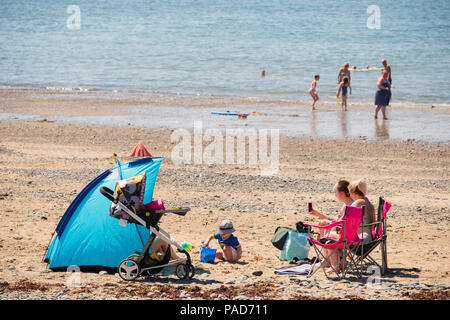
{"type": "Point", "coordinates": [318, 254]}
{"type": "Point", "coordinates": [331, 265]}
{"type": "Point", "coordinates": [344, 261]}
{"type": "Point", "coordinates": [352, 264]}
{"type": "Point", "coordinates": [314, 264]}
{"type": "Point", "coordinates": [384, 257]}
{"type": "Point", "coordinates": [372, 261]}
{"type": "Point", "coordinates": [325, 259]}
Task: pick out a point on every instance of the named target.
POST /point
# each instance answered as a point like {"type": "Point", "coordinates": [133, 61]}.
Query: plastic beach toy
{"type": "Point", "coordinates": [228, 113]}
{"type": "Point", "coordinates": [207, 255]}
{"type": "Point", "coordinates": [186, 246]}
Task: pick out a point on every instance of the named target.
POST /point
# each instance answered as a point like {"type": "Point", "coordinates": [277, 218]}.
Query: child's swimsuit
{"type": "Point", "coordinates": [231, 241]}
{"type": "Point", "coordinates": [312, 88]}
{"type": "Point", "coordinates": [344, 90]}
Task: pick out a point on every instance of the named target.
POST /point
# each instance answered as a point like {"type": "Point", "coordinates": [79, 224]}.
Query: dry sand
{"type": "Point", "coordinates": [44, 165]}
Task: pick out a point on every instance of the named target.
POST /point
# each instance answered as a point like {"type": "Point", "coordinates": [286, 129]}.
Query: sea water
{"type": "Point", "coordinates": [219, 47]}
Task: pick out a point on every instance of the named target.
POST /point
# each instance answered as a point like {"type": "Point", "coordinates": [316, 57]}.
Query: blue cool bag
{"type": "Point", "coordinates": [296, 245]}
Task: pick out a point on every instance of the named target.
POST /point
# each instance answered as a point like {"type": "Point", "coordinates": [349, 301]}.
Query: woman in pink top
{"type": "Point", "coordinates": [342, 194]}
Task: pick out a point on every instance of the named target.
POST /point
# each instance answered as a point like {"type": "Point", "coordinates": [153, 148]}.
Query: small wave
{"type": "Point", "coordinates": [58, 89]}
{"type": "Point", "coordinates": [64, 89]}
{"type": "Point", "coordinates": [87, 89]}
{"type": "Point", "coordinates": [253, 98]}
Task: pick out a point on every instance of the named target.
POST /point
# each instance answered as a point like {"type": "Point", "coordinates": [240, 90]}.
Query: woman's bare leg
{"type": "Point", "coordinates": [334, 258]}
{"type": "Point", "coordinates": [376, 111]}
{"type": "Point", "coordinates": [383, 111]}
{"type": "Point", "coordinates": [334, 261]}
{"type": "Point", "coordinates": [326, 253]}
{"type": "Point", "coordinates": [161, 246]}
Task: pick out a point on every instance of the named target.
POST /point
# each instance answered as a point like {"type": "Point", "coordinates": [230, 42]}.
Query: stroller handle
{"type": "Point", "coordinates": [108, 193]}
{"type": "Point", "coordinates": [179, 211]}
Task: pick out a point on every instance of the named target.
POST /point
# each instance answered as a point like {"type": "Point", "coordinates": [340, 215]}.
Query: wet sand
{"type": "Point", "coordinates": [291, 118]}
{"type": "Point", "coordinates": [46, 163]}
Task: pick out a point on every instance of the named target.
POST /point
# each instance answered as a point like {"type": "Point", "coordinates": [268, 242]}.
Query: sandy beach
{"type": "Point", "coordinates": [46, 162]}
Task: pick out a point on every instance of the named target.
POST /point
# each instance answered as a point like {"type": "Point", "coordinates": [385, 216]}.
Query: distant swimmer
{"type": "Point", "coordinates": [263, 73]}
{"type": "Point", "coordinates": [366, 68]}
{"type": "Point", "coordinates": [312, 90]}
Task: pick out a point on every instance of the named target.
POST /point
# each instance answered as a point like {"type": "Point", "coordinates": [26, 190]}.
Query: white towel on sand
{"type": "Point", "coordinates": [301, 270]}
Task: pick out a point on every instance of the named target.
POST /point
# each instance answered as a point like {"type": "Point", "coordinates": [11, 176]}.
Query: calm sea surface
{"type": "Point", "coordinates": [219, 47]}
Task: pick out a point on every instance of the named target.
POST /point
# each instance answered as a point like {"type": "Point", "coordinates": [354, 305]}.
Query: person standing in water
{"type": "Point", "coordinates": [344, 72]}
{"type": "Point", "coordinates": [344, 86]}
{"type": "Point", "coordinates": [388, 69]}
{"type": "Point", "coordinates": [382, 94]}
{"type": "Point", "coordinates": [312, 90]}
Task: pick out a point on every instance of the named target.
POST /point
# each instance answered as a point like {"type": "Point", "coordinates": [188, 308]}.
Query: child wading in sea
{"type": "Point", "coordinates": [312, 90]}
{"type": "Point", "coordinates": [344, 86]}
{"type": "Point", "coordinates": [231, 248]}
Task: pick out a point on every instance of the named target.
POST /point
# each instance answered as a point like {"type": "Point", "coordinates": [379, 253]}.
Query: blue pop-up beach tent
{"type": "Point", "coordinates": [87, 236]}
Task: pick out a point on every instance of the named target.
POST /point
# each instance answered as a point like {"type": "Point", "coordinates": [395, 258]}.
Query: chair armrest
{"type": "Point", "coordinates": [371, 224]}
{"type": "Point", "coordinates": [328, 226]}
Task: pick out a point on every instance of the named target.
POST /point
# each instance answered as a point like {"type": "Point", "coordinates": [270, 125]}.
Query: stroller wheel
{"type": "Point", "coordinates": [191, 271]}
{"type": "Point", "coordinates": [129, 270]}
{"type": "Point", "coordinates": [182, 271]}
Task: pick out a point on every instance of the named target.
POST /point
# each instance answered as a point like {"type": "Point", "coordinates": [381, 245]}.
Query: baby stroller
{"type": "Point", "coordinates": [127, 206]}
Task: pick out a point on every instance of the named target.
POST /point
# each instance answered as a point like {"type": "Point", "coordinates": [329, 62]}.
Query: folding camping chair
{"type": "Point", "coordinates": [379, 237]}
{"type": "Point", "coordinates": [349, 225]}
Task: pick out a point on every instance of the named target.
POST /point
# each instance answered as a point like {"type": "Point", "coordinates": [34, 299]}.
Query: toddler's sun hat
{"type": "Point", "coordinates": [226, 227]}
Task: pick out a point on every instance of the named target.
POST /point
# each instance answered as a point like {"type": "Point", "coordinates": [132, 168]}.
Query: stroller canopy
{"type": "Point", "coordinates": [87, 236]}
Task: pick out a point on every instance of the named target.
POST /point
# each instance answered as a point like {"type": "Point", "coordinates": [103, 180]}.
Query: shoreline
{"type": "Point", "coordinates": [444, 106]}
{"type": "Point", "coordinates": [147, 96]}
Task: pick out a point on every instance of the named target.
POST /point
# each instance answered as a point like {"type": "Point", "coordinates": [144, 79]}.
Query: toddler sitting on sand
{"type": "Point", "coordinates": [231, 248]}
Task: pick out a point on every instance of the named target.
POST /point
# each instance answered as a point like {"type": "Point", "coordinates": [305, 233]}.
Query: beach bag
{"type": "Point", "coordinates": [279, 237]}
{"type": "Point", "coordinates": [301, 227]}
{"type": "Point", "coordinates": [295, 246]}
